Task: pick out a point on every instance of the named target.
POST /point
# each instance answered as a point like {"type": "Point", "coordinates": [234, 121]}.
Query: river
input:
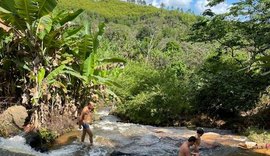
{"type": "Point", "coordinates": [113, 137]}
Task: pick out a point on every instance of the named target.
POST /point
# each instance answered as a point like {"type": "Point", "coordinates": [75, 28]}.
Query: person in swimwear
{"type": "Point", "coordinates": [197, 143]}
{"type": "Point", "coordinates": [184, 149]}
{"type": "Point", "coordinates": [254, 145]}
{"type": "Point", "coordinates": [85, 118]}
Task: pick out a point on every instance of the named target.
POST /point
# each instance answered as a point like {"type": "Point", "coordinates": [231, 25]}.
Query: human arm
{"type": "Point", "coordinates": [196, 148]}
{"type": "Point", "coordinates": [81, 118]}
{"type": "Point", "coordinates": [194, 154]}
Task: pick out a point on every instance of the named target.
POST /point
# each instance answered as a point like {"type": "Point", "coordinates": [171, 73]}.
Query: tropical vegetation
{"type": "Point", "coordinates": [48, 62]}
{"type": "Point", "coordinates": [156, 66]}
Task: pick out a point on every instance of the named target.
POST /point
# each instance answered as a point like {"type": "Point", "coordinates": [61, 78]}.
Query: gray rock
{"type": "Point", "coordinates": [12, 119]}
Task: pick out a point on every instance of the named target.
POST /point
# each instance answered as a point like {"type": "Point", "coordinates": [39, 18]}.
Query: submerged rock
{"type": "Point", "coordinates": [35, 141]}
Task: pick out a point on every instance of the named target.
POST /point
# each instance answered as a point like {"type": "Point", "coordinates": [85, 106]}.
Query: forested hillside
{"type": "Point", "coordinates": [173, 71]}
{"type": "Point", "coordinates": [156, 66]}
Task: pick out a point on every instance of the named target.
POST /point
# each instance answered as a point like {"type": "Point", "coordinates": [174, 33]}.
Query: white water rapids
{"type": "Point", "coordinates": [112, 137]}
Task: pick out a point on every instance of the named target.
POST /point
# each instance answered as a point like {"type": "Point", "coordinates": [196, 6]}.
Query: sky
{"type": "Point", "coordinates": [197, 6]}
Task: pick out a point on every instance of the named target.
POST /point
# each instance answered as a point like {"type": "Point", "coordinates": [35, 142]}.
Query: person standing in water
{"type": "Point", "coordinates": [184, 149]}
{"type": "Point", "coordinates": [85, 119]}
{"type": "Point", "coordinates": [200, 132]}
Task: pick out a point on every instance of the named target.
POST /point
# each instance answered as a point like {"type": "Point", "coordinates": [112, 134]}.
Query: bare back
{"type": "Point", "coordinates": [184, 150]}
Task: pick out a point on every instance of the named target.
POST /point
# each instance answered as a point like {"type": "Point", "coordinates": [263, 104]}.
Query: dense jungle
{"type": "Point", "coordinates": [151, 66]}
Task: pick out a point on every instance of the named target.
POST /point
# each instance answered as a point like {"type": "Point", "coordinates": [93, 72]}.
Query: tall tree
{"type": "Point", "coordinates": [245, 27]}
{"type": "Point", "coordinates": [162, 5]}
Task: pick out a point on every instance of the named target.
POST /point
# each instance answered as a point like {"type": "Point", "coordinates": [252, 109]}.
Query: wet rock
{"type": "Point", "coordinates": [105, 141]}
{"type": "Point", "coordinates": [67, 138]}
{"type": "Point", "coordinates": [9, 153]}
{"type": "Point", "coordinates": [118, 153]}
{"type": "Point", "coordinates": [35, 141]}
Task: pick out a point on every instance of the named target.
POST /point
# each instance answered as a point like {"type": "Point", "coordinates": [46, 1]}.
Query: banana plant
{"type": "Point", "coordinates": [38, 38]}
{"type": "Point", "coordinates": [27, 11]}
{"type": "Point", "coordinates": [44, 82]}
{"type": "Point", "coordinates": [50, 51]}
{"type": "Point", "coordinates": [89, 65]}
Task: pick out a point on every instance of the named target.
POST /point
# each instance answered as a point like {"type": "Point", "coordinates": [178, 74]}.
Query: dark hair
{"type": "Point", "coordinates": [192, 139]}
{"type": "Point", "coordinates": [200, 131]}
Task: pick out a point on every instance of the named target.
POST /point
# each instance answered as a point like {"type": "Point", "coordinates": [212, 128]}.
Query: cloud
{"type": "Point", "coordinates": [170, 3]}
{"type": "Point", "coordinates": [218, 9]}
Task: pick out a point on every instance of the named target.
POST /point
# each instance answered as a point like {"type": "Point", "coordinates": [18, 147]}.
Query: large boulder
{"type": "Point", "coordinates": [12, 120]}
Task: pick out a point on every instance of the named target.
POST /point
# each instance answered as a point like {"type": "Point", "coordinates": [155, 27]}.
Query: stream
{"type": "Point", "coordinates": [115, 138]}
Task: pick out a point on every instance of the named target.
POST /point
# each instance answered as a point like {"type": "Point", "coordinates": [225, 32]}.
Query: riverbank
{"type": "Point", "coordinates": [210, 140]}
{"type": "Point", "coordinates": [113, 137]}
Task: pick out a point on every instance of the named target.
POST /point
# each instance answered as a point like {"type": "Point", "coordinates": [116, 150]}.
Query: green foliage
{"type": "Point", "coordinates": [232, 81]}
{"type": "Point", "coordinates": [117, 32]}
{"type": "Point", "coordinates": [19, 13]}
{"type": "Point", "coordinates": [171, 46]}
{"type": "Point", "coordinates": [124, 13]}
{"type": "Point", "coordinates": [151, 96]}
{"type": "Point", "coordinates": [258, 135]}
{"type": "Point", "coordinates": [53, 56]}
{"type": "Point", "coordinates": [166, 77]}
{"type": "Point", "coordinates": [223, 90]}
{"type": "Point", "coordinates": [144, 32]}
{"type": "Point", "coordinates": [46, 135]}
{"type": "Point", "coordinates": [109, 9]}
{"type": "Point", "coordinates": [245, 27]}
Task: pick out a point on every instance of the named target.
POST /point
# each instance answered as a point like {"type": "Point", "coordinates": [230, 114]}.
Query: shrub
{"type": "Point", "coordinates": [223, 89]}
{"type": "Point", "coordinates": [151, 96]}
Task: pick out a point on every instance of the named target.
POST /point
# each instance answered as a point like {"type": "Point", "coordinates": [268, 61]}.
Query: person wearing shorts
{"type": "Point", "coordinates": [83, 122]}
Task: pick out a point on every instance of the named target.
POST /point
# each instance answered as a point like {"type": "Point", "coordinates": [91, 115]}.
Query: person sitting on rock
{"type": "Point", "coordinates": [254, 145]}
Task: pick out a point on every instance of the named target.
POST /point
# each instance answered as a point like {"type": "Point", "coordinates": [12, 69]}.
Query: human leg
{"type": "Point", "coordinates": [89, 132]}
{"type": "Point", "coordinates": [83, 135]}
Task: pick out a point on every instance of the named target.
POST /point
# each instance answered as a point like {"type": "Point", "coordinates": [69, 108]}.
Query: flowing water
{"type": "Point", "coordinates": [112, 137]}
